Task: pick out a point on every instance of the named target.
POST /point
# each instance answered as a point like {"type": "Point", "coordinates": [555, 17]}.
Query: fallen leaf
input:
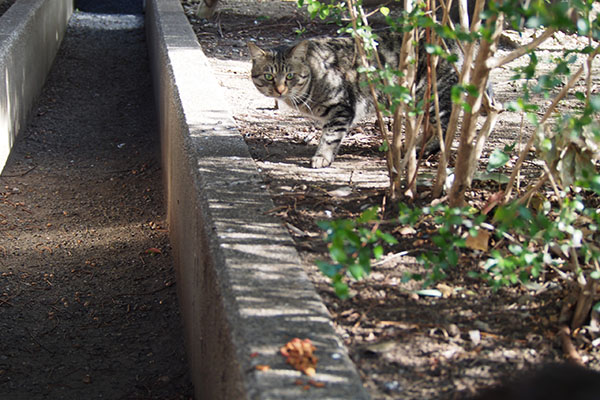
{"type": "Point", "coordinates": [381, 347]}
{"type": "Point", "coordinates": [492, 202]}
{"type": "Point", "coordinates": [299, 354]}
{"type": "Point", "coordinates": [262, 367]}
{"type": "Point", "coordinates": [153, 250]}
{"type": "Point", "coordinates": [407, 230]}
{"type": "Point", "coordinates": [479, 242]}
{"type": "Point", "coordinates": [446, 290]}
{"type": "Point", "coordinates": [344, 191]}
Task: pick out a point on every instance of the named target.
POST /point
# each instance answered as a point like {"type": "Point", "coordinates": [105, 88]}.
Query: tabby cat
{"type": "Point", "coordinates": [319, 78]}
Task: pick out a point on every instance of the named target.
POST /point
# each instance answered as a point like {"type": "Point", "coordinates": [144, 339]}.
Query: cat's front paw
{"type": "Point", "coordinates": [320, 162]}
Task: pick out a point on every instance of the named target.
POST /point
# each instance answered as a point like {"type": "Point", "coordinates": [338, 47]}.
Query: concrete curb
{"type": "Point", "coordinates": [30, 33]}
{"type": "Point", "coordinates": [242, 291]}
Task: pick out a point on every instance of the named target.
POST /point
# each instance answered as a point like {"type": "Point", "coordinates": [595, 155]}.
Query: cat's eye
{"type": "Point", "coordinates": [289, 76]}
{"type": "Point", "coordinates": [268, 76]}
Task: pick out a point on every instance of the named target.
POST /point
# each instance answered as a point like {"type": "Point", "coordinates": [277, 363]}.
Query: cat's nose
{"type": "Point", "coordinates": [281, 89]}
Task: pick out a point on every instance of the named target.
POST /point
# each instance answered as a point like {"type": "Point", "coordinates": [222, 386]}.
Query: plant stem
{"type": "Point", "coordinates": [574, 78]}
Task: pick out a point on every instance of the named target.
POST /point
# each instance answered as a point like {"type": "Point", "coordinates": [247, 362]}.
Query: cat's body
{"type": "Point", "coordinates": [319, 78]}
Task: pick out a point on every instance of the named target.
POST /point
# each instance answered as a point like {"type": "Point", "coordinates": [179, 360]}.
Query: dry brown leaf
{"type": "Point", "coordinates": [317, 384]}
{"type": "Point", "coordinates": [299, 354]}
{"type": "Point", "coordinates": [479, 242]}
{"type": "Point", "coordinates": [446, 290]}
{"type": "Point", "coordinates": [492, 202]}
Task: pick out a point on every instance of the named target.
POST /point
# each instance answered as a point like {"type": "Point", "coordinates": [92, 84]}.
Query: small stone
{"type": "Point", "coordinates": [475, 337]}
{"type": "Point", "coordinates": [453, 330]}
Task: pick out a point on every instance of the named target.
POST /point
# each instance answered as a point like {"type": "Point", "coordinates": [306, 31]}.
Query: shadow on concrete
{"type": "Point", "coordinates": [110, 6]}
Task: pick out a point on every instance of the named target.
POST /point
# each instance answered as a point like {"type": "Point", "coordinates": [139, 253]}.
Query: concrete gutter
{"type": "Point", "coordinates": [242, 291]}
{"type": "Point", "coordinates": [30, 34]}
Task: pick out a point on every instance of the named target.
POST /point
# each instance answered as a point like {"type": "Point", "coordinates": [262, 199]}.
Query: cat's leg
{"type": "Point", "coordinates": [334, 132]}
{"type": "Point", "coordinates": [329, 144]}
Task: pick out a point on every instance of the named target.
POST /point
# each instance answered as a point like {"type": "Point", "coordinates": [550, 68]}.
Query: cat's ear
{"type": "Point", "coordinates": [298, 52]}
{"type": "Point", "coordinates": [255, 51]}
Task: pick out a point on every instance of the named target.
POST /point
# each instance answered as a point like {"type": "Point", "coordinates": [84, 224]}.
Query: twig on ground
{"type": "Point", "coordinates": [564, 333]}
{"type": "Point", "coordinates": [19, 175]}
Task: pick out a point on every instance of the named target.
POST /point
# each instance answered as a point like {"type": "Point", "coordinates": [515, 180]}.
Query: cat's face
{"type": "Point", "coordinates": [282, 72]}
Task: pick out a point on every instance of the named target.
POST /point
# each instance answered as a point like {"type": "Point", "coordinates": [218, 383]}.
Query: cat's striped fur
{"type": "Point", "coordinates": [319, 78]}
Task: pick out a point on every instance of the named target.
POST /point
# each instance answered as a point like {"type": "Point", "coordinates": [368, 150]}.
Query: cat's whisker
{"type": "Point", "coordinates": [297, 100]}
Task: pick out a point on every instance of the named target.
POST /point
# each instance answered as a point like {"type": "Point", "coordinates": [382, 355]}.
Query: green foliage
{"type": "Point", "coordinates": [500, 157]}
{"type": "Point", "coordinates": [352, 244]}
{"type": "Point", "coordinates": [548, 237]}
{"type": "Point", "coordinates": [449, 224]}
{"type": "Point", "coordinates": [535, 239]}
{"type": "Point", "coordinates": [323, 10]}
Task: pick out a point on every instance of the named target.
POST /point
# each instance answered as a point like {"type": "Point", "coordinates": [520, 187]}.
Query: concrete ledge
{"type": "Point", "coordinates": [30, 34]}
{"type": "Point", "coordinates": [242, 292]}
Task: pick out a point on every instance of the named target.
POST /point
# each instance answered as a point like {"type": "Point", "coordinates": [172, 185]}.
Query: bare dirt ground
{"type": "Point", "coordinates": [88, 305]}
{"type": "Point", "coordinates": [405, 346]}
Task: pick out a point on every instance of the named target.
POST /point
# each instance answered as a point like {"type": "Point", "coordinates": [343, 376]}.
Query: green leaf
{"type": "Point", "coordinates": [433, 49]}
{"type": "Point", "coordinates": [583, 26]}
{"type": "Point", "coordinates": [324, 12]}
{"type": "Point", "coordinates": [356, 271]}
{"type": "Point", "coordinates": [329, 270]}
{"type": "Point", "coordinates": [338, 254]}
{"type": "Point", "coordinates": [325, 225]}
{"type": "Point", "coordinates": [439, 241]}
{"type": "Point", "coordinates": [595, 103]}
{"type": "Point", "coordinates": [498, 159]}
{"type": "Point", "coordinates": [491, 176]}
{"type": "Point", "coordinates": [377, 252]}
{"type": "Point", "coordinates": [452, 58]}
{"type": "Point", "coordinates": [475, 274]}
{"type": "Point", "coordinates": [452, 257]}
{"type": "Point", "coordinates": [341, 290]}
{"type": "Point", "coordinates": [370, 214]}
{"type": "Point", "coordinates": [364, 258]}
{"type": "Point", "coordinates": [386, 237]}
{"type": "Point", "coordinates": [580, 96]}
{"type": "Point", "coordinates": [385, 11]}
{"type": "Point", "coordinates": [529, 258]}
{"type": "Point", "coordinates": [516, 249]}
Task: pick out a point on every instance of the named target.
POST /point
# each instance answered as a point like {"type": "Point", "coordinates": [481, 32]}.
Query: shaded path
{"type": "Point", "coordinates": [88, 307]}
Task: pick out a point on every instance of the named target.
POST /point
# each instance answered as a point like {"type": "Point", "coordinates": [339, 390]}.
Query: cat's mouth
{"type": "Point", "coordinates": [280, 91]}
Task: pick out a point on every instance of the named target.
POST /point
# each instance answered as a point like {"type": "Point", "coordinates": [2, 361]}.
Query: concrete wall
{"type": "Point", "coordinates": [242, 292]}
{"type": "Point", "coordinates": [30, 34]}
